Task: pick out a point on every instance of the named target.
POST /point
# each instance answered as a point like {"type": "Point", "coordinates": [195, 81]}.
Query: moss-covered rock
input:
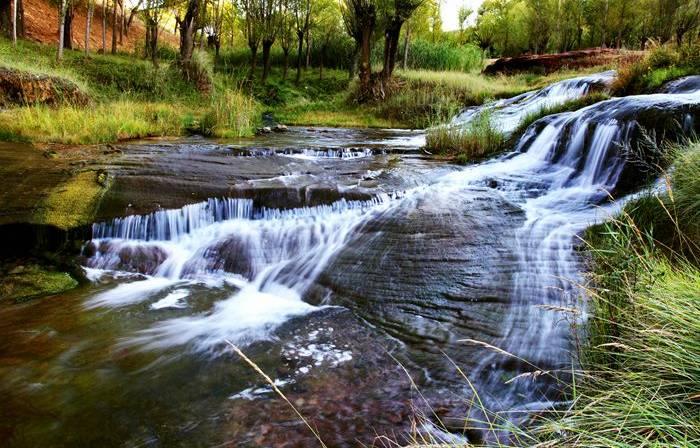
{"type": "Point", "coordinates": [74, 202]}
{"type": "Point", "coordinates": [23, 283]}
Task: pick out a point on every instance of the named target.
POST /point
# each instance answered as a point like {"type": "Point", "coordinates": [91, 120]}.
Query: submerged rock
{"type": "Point", "coordinates": [24, 283]}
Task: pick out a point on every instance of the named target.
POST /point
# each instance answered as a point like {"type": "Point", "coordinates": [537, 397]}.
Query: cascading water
{"type": "Point", "coordinates": [271, 256]}
{"type": "Point", "coordinates": [507, 114]}
{"type": "Point", "coordinates": [564, 171]}
{"type": "Point", "coordinates": [268, 262]}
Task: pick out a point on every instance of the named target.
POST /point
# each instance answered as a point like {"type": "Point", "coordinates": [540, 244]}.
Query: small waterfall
{"type": "Point", "coordinates": [507, 114]}
{"type": "Point", "coordinates": [269, 256]}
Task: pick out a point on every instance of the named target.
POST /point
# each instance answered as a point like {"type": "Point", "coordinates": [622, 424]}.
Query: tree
{"type": "Point", "coordinates": [396, 13]}
{"type": "Point", "coordinates": [269, 24]}
{"type": "Point", "coordinates": [187, 30]}
{"type": "Point", "coordinates": [463, 17]}
{"type": "Point", "coordinates": [286, 33]}
{"type": "Point", "coordinates": [152, 15]}
{"type": "Point", "coordinates": [302, 21]}
{"type": "Point", "coordinates": [364, 13]}
{"type": "Point", "coordinates": [88, 23]}
{"type": "Point", "coordinates": [251, 10]}
{"type": "Point", "coordinates": [104, 26]}
{"type": "Point", "coordinates": [114, 26]}
{"type": "Point", "coordinates": [63, 6]}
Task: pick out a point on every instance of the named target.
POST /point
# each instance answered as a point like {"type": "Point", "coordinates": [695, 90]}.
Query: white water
{"type": "Point", "coordinates": [271, 256]}
{"type": "Point", "coordinates": [507, 114]}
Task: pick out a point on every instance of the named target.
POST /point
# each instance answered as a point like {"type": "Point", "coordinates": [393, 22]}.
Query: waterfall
{"type": "Point", "coordinates": [507, 114]}
{"type": "Point", "coordinates": [270, 257]}
{"type": "Point", "coordinates": [562, 174]}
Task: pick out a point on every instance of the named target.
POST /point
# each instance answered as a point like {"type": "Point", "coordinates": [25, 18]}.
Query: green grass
{"type": "Point", "coordinates": [662, 64]}
{"type": "Point", "coordinates": [640, 384]}
{"type": "Point", "coordinates": [130, 99]}
{"type": "Point", "coordinates": [478, 141]}
{"type": "Point", "coordinates": [568, 106]}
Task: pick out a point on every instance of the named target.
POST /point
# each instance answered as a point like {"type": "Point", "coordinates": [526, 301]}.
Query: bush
{"type": "Point", "coordinates": [202, 71]}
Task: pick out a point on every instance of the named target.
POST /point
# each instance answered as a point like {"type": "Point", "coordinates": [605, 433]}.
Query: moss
{"type": "Point", "coordinates": [74, 202]}
{"type": "Point", "coordinates": [25, 283]}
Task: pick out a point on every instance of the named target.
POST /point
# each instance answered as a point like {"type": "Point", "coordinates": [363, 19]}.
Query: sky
{"type": "Point", "coordinates": [450, 8]}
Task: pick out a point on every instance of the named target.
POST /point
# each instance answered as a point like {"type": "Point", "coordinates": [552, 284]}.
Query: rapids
{"type": "Point", "coordinates": [407, 260]}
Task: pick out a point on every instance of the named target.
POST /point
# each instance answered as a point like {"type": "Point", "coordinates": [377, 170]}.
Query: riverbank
{"type": "Point", "coordinates": [130, 99]}
{"type": "Point", "coordinates": [641, 362]}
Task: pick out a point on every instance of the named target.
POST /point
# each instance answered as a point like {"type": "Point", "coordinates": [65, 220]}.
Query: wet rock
{"type": "Point", "coordinates": [280, 128]}
{"type": "Point", "coordinates": [18, 88]}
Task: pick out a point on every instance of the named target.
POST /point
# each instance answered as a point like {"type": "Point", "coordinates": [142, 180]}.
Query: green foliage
{"type": "Point", "coordinates": [664, 63]}
{"type": "Point", "coordinates": [423, 54]}
{"type": "Point", "coordinates": [132, 99]}
{"type": "Point", "coordinates": [477, 141]}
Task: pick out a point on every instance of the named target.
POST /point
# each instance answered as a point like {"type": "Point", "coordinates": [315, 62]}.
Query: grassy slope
{"type": "Point", "coordinates": [641, 380]}
{"type": "Point", "coordinates": [130, 100]}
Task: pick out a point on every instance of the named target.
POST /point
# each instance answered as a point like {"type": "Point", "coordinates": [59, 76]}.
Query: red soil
{"type": "Point", "coordinates": [41, 25]}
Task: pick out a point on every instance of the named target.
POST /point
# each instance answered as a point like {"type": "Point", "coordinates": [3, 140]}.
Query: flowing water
{"type": "Point", "coordinates": [507, 114]}
{"type": "Point", "coordinates": [400, 259]}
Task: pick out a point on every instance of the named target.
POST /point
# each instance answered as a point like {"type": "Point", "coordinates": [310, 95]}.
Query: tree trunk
{"type": "Point", "coordinates": [365, 55]}
{"type": "Point", "coordinates": [320, 65]}
{"type": "Point", "coordinates": [266, 44]}
{"type": "Point", "coordinates": [352, 68]}
{"type": "Point", "coordinates": [308, 49]}
{"type": "Point", "coordinates": [104, 26]}
{"type": "Point", "coordinates": [406, 41]}
{"type": "Point", "coordinates": [14, 22]}
{"type": "Point", "coordinates": [391, 42]}
{"type": "Point", "coordinates": [61, 27]}
{"type": "Point", "coordinates": [114, 26]}
{"type": "Point", "coordinates": [121, 21]}
{"type": "Point", "coordinates": [253, 58]}
{"type": "Point", "coordinates": [68, 28]}
{"type": "Point", "coordinates": [285, 65]}
{"type": "Point", "coordinates": [88, 23]}
{"type": "Point", "coordinates": [300, 38]}
{"type": "Point", "coordinates": [187, 28]}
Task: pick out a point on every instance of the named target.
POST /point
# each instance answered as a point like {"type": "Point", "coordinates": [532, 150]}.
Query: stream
{"type": "Point", "coordinates": [362, 276]}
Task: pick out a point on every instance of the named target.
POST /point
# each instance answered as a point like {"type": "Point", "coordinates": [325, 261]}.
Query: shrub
{"type": "Point", "coordinates": [202, 71]}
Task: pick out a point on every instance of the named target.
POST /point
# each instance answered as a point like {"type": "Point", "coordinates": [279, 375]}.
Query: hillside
{"type": "Point", "coordinates": [41, 25]}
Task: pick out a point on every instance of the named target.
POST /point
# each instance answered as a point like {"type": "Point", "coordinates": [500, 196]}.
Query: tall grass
{"type": "Point", "coordinates": [477, 141]}
{"type": "Point", "coordinates": [443, 56]}
{"type": "Point", "coordinates": [662, 64]}
{"type": "Point", "coordinates": [639, 386]}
